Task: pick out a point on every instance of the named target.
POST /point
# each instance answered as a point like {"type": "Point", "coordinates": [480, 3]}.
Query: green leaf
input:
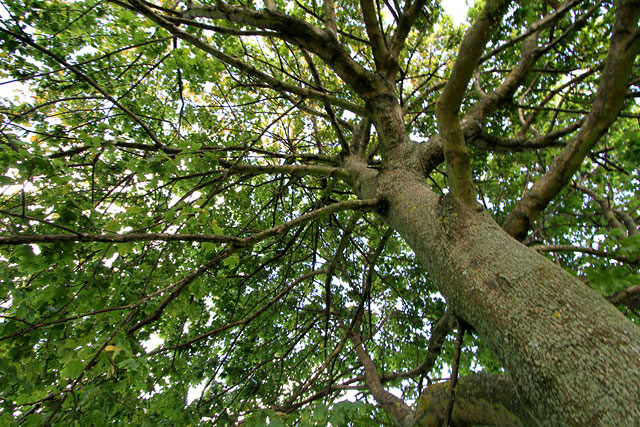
{"type": "Point", "coordinates": [276, 422]}
{"type": "Point", "coordinates": [72, 368]}
{"type": "Point", "coordinates": [129, 364]}
{"type": "Point", "coordinates": [231, 261]}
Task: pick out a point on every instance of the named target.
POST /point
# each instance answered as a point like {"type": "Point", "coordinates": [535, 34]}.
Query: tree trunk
{"type": "Point", "coordinates": [573, 357]}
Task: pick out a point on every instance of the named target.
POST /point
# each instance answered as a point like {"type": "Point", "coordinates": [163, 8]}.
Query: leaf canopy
{"type": "Point", "coordinates": [195, 251]}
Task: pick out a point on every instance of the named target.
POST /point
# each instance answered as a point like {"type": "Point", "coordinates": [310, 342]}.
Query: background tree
{"type": "Point", "coordinates": [247, 212]}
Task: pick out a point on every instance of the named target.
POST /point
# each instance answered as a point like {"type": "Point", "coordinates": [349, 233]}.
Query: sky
{"type": "Point", "coordinates": [457, 9]}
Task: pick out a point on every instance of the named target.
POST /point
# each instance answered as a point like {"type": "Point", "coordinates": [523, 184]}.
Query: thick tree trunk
{"type": "Point", "coordinates": [573, 357]}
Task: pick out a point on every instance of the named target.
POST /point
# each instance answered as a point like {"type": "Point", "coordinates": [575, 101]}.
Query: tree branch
{"type": "Point", "coordinates": [330, 17]}
{"type": "Point", "coordinates": [378, 45]}
{"type": "Point", "coordinates": [541, 24]}
{"type": "Point", "coordinates": [333, 265]}
{"type": "Point", "coordinates": [448, 107]}
{"type": "Point", "coordinates": [179, 286]}
{"type": "Point", "coordinates": [244, 320]}
{"type": "Point", "coordinates": [605, 207]}
{"type": "Point", "coordinates": [454, 375]}
{"type": "Point", "coordinates": [330, 113]}
{"type": "Point", "coordinates": [624, 47]}
{"type": "Point", "coordinates": [394, 406]}
{"type": "Point", "coordinates": [295, 170]}
{"type": "Point", "coordinates": [75, 70]}
{"type": "Point", "coordinates": [407, 19]}
{"type": "Point", "coordinates": [23, 239]}
{"type": "Point", "coordinates": [483, 140]}
{"type": "Point", "coordinates": [295, 30]}
{"type": "Point", "coordinates": [629, 297]}
{"type": "Point", "coordinates": [244, 67]}
{"type": "Point", "coordinates": [586, 250]}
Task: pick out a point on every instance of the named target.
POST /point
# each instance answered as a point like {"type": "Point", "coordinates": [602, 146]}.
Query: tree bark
{"type": "Point", "coordinates": [481, 399]}
{"type": "Point", "coordinates": [573, 357]}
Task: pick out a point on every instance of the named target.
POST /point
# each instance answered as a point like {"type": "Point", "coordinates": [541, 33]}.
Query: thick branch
{"type": "Point", "coordinates": [455, 151]}
{"type": "Point", "coordinates": [483, 140]}
{"type": "Point", "coordinates": [407, 19]}
{"type": "Point", "coordinates": [378, 45]}
{"type": "Point", "coordinates": [244, 67]}
{"type": "Point", "coordinates": [629, 297]}
{"type": "Point", "coordinates": [605, 206]}
{"type": "Point", "coordinates": [360, 138]}
{"type": "Point", "coordinates": [624, 47]}
{"type": "Point", "coordinates": [330, 17]}
{"type": "Point", "coordinates": [295, 30]}
{"type": "Point", "coordinates": [493, 100]}
{"type": "Point", "coordinates": [629, 222]}
{"type": "Point", "coordinates": [394, 406]}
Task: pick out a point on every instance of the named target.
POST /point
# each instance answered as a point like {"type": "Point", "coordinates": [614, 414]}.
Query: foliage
{"type": "Point", "coordinates": [164, 163]}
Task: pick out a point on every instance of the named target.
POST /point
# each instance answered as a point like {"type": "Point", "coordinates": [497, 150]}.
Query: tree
{"type": "Point", "coordinates": [233, 212]}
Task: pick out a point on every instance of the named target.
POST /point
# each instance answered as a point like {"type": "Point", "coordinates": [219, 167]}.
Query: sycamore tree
{"type": "Point", "coordinates": [301, 213]}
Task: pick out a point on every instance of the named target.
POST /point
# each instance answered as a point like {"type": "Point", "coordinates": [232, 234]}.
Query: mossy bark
{"type": "Point", "coordinates": [481, 399]}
